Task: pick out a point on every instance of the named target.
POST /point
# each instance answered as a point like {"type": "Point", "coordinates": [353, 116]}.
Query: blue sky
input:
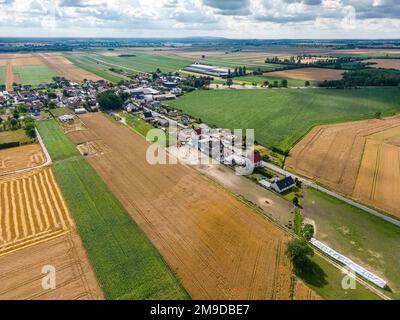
{"type": "Point", "coordinates": [182, 18]}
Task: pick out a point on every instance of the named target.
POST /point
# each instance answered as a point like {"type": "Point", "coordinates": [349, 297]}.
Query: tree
{"type": "Point", "coordinates": [30, 130]}
{"type": "Point", "coordinates": [378, 115]}
{"type": "Point", "coordinates": [229, 82]}
{"type": "Point", "coordinates": [284, 83]}
{"type": "Point", "coordinates": [266, 83]}
{"type": "Point", "coordinates": [108, 100]}
{"type": "Point", "coordinates": [299, 252]}
{"type": "Point", "coordinates": [52, 105]}
{"type": "Point", "coordinates": [308, 231]}
{"type": "Point", "coordinates": [307, 83]}
{"type": "Point", "coordinates": [14, 123]}
{"type": "Point", "coordinates": [244, 70]}
{"type": "Point", "coordinates": [296, 201]}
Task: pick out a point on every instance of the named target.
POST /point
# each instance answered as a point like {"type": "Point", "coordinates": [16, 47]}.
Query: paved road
{"type": "Point", "coordinates": [333, 194]}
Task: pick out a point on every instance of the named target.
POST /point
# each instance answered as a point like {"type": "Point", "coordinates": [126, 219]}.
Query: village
{"type": "Point", "coordinates": [145, 98]}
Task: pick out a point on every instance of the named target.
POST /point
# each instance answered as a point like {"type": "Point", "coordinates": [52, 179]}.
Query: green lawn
{"type": "Point", "coordinates": [126, 263]}
{"type": "Point", "coordinates": [57, 112]}
{"type": "Point", "coordinates": [366, 239]}
{"type": "Point", "coordinates": [2, 75]}
{"type": "Point", "coordinates": [137, 124]}
{"type": "Point", "coordinates": [15, 136]}
{"type": "Point", "coordinates": [326, 280]}
{"type": "Point", "coordinates": [280, 117]}
{"type": "Point", "coordinates": [57, 143]}
{"type": "Point", "coordinates": [35, 74]}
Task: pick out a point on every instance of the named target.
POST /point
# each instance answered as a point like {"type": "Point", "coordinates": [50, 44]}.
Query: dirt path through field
{"type": "Point", "coordinates": [219, 247]}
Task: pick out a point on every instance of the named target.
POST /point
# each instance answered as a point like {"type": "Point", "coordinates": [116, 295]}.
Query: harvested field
{"type": "Point", "coordinates": [79, 137]}
{"type": "Point", "coordinates": [10, 77]}
{"type": "Point", "coordinates": [219, 248]}
{"type": "Point", "coordinates": [378, 181]}
{"type": "Point", "coordinates": [385, 63]}
{"type": "Point", "coordinates": [92, 148]}
{"type": "Point", "coordinates": [32, 209]}
{"type": "Point", "coordinates": [305, 293]}
{"type": "Point", "coordinates": [312, 74]}
{"type": "Point", "coordinates": [357, 158]}
{"type": "Point", "coordinates": [21, 271]}
{"type": "Point", "coordinates": [66, 68]}
{"type": "Point", "coordinates": [21, 158]}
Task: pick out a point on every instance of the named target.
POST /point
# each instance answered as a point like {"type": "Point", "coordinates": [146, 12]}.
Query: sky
{"type": "Point", "coordinates": [261, 19]}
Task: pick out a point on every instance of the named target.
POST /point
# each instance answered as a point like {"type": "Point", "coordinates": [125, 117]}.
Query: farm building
{"type": "Point", "coordinates": [148, 116]}
{"type": "Point", "coordinates": [66, 118]}
{"type": "Point", "coordinates": [283, 185]}
{"type": "Point", "coordinates": [210, 70]}
{"type": "Point", "coordinates": [80, 110]}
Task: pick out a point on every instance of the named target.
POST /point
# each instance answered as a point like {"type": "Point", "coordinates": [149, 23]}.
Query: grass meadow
{"type": "Point", "coordinates": [366, 239]}
{"type": "Point", "coordinates": [2, 76]}
{"type": "Point", "coordinates": [56, 142]}
{"type": "Point", "coordinates": [34, 75]}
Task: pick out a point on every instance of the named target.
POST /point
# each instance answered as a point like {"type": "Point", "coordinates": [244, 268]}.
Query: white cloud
{"type": "Point", "coordinates": [230, 18]}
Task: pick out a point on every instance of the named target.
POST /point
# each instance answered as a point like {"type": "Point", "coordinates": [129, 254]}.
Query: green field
{"type": "Point", "coordinates": [57, 143]}
{"type": "Point", "coordinates": [34, 75]}
{"type": "Point", "coordinates": [94, 67]}
{"type": "Point", "coordinates": [281, 117]}
{"type": "Point", "coordinates": [2, 76]}
{"type": "Point", "coordinates": [260, 80]}
{"type": "Point", "coordinates": [144, 62]}
{"type": "Point", "coordinates": [364, 238]}
{"type": "Point", "coordinates": [126, 263]}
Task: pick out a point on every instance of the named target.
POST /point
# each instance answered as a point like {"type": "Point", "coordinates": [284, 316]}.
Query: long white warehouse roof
{"type": "Point", "coordinates": [349, 263]}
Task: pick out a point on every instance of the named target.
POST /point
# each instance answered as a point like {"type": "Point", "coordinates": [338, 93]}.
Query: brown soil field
{"type": "Point", "coordinates": [21, 271]}
{"type": "Point", "coordinates": [66, 68]}
{"type": "Point", "coordinates": [312, 74]}
{"type": "Point", "coordinates": [385, 63]}
{"type": "Point", "coordinates": [23, 157]}
{"type": "Point", "coordinates": [27, 61]}
{"type": "Point", "coordinates": [360, 159]}
{"type": "Point", "coordinates": [219, 247]}
{"type": "Point", "coordinates": [360, 51]}
{"type": "Point", "coordinates": [32, 209]}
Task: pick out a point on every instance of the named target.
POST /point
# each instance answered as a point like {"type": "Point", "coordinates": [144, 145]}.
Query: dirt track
{"type": "Point", "coordinates": [219, 248]}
